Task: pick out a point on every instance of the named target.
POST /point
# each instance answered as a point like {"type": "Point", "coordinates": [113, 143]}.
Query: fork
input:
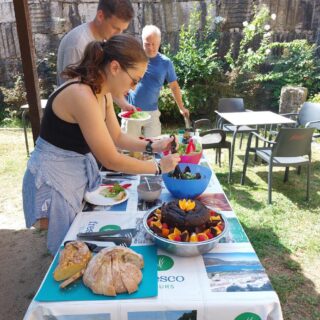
{"type": "Point", "coordinates": [116, 240]}
{"type": "Point", "coordinates": [130, 233]}
{"type": "Point", "coordinates": [95, 248]}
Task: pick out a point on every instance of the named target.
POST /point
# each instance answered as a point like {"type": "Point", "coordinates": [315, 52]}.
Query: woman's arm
{"type": "Point", "coordinates": [121, 139]}
{"type": "Point", "coordinates": [86, 111]}
{"type": "Point", "coordinates": [125, 141]}
{"type": "Point", "coordinates": [177, 95]}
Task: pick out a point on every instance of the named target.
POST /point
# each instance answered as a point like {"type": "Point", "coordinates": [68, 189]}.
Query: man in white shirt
{"type": "Point", "coordinates": [113, 17]}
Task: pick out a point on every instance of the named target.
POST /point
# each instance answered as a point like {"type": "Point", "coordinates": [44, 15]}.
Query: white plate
{"type": "Point", "coordinates": [132, 119]}
{"type": "Point", "coordinates": [94, 197]}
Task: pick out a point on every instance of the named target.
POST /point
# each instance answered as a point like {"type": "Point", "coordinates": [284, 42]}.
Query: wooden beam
{"type": "Point", "coordinates": [28, 64]}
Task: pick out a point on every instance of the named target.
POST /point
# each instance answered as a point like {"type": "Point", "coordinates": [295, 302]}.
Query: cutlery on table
{"type": "Point", "coordinates": [119, 174]}
{"type": "Point", "coordinates": [131, 232]}
{"type": "Point", "coordinates": [119, 241]}
{"type": "Point", "coordinates": [116, 240]}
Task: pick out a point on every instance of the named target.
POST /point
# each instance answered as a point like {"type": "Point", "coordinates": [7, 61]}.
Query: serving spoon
{"type": "Point", "coordinates": [145, 178]}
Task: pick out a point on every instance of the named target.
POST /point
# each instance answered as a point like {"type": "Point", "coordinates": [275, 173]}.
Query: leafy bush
{"type": "Point", "coordinates": [13, 98]}
{"type": "Point", "coordinates": [197, 65]}
{"type": "Point", "coordinates": [168, 107]}
{"type": "Point", "coordinates": [47, 72]}
{"type": "Point", "coordinates": [263, 66]}
{"type": "Point", "coordinates": [11, 101]}
{"type": "Point", "coordinates": [316, 98]}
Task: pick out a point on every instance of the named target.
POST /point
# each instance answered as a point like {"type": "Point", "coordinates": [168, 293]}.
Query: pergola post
{"type": "Point", "coordinates": [28, 64]}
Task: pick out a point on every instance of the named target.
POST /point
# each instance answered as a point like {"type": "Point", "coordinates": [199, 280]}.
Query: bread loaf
{"type": "Point", "coordinates": [114, 270]}
{"type": "Point", "coordinates": [73, 258]}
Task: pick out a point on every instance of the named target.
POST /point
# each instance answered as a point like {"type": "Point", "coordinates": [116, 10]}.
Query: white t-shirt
{"type": "Point", "coordinates": [72, 47]}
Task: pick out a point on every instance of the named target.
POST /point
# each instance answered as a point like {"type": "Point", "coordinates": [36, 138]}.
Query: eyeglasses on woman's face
{"type": "Point", "coordinates": [134, 81]}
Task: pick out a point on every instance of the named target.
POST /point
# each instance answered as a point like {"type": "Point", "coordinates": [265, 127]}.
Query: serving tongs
{"type": "Point", "coordinates": [131, 232]}
{"type": "Point", "coordinates": [177, 171]}
{"type": "Point", "coordinates": [124, 238]}
{"type": "Point", "coordinates": [173, 144]}
{"type": "Point", "coordinates": [118, 241]}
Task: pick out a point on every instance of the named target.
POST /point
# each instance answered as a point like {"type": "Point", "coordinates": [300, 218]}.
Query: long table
{"type": "Point", "coordinates": [228, 283]}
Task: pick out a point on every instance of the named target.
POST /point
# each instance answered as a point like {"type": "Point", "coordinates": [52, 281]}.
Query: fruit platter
{"type": "Point", "coordinates": [185, 227]}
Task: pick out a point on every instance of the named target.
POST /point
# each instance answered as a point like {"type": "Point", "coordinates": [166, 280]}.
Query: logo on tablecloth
{"type": "Point", "coordinates": [110, 227]}
{"type": "Point", "coordinates": [164, 263]}
{"type": "Point", "coordinates": [247, 316]}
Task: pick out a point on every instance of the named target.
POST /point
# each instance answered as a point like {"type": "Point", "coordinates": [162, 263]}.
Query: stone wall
{"type": "Point", "coordinates": [51, 19]}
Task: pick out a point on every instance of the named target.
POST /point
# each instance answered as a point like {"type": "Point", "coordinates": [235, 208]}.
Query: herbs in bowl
{"type": "Point", "coordinates": [187, 182]}
{"type": "Point", "coordinates": [191, 147]}
{"type": "Point", "coordinates": [117, 192]}
{"type": "Point", "coordinates": [190, 152]}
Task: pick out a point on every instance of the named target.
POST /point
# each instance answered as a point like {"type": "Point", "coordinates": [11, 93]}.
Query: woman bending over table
{"type": "Point", "coordinates": [79, 120]}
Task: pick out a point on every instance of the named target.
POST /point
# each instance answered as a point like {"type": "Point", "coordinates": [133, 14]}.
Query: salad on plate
{"type": "Point", "coordinates": [135, 115]}
{"type": "Point", "coordinates": [116, 191]}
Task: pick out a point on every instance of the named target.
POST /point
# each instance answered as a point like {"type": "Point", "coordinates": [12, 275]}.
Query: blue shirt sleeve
{"type": "Point", "coordinates": [171, 74]}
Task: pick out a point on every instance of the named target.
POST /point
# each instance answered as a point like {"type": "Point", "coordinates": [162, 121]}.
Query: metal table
{"type": "Point", "coordinates": [253, 118]}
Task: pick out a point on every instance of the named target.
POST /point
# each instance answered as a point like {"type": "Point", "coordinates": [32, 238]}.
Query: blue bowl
{"type": "Point", "coordinates": [188, 189]}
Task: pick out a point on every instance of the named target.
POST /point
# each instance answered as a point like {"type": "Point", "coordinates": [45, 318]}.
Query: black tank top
{"type": "Point", "coordinates": [60, 133]}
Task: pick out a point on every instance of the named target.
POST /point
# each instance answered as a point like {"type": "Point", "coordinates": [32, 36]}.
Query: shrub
{"type": "Point", "coordinates": [197, 65]}
{"type": "Point", "coordinates": [316, 98]}
{"type": "Point", "coordinates": [168, 107]}
{"type": "Point", "coordinates": [11, 101]}
{"type": "Point", "coordinates": [263, 66]}
{"type": "Point", "coordinates": [13, 98]}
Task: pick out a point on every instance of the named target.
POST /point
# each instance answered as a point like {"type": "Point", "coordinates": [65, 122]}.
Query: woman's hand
{"type": "Point", "coordinates": [128, 107]}
{"type": "Point", "coordinates": [169, 162]}
{"type": "Point", "coordinates": [163, 144]}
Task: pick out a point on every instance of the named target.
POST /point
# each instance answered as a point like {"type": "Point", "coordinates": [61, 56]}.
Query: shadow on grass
{"type": "Point", "coordinates": [297, 293]}
{"type": "Point", "coordinates": [241, 193]}
{"type": "Point", "coordinates": [295, 188]}
{"type": "Point", "coordinates": [24, 263]}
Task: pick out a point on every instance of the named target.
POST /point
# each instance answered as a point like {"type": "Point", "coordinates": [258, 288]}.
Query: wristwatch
{"type": "Point", "coordinates": [149, 147]}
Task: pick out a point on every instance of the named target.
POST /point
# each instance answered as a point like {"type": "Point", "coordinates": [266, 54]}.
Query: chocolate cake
{"type": "Point", "coordinates": [174, 216]}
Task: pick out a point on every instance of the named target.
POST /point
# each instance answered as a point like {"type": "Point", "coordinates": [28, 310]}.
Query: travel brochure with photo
{"type": "Point", "coordinates": [99, 316]}
{"type": "Point", "coordinates": [163, 315]}
{"type": "Point", "coordinates": [236, 271]}
{"type": "Point", "coordinates": [236, 233]}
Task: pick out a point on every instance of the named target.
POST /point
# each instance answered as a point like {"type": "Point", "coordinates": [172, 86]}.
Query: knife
{"type": "Point", "coordinates": [118, 174]}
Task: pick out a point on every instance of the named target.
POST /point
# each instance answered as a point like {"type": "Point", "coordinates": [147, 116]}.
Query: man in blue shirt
{"type": "Point", "coordinates": [146, 94]}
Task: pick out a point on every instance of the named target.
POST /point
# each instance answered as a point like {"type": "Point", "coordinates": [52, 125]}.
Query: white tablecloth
{"type": "Point", "coordinates": [228, 283]}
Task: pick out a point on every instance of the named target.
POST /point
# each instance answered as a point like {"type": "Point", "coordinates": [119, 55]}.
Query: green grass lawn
{"type": "Point", "coordinates": [285, 235]}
